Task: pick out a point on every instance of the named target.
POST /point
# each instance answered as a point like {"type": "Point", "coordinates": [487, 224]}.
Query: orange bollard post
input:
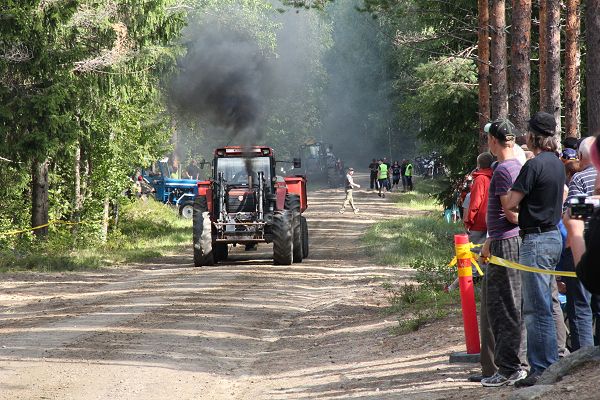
{"type": "Point", "coordinates": [467, 293]}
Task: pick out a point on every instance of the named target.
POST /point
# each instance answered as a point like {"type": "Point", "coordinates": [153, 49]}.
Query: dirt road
{"type": "Point", "coordinates": [242, 330]}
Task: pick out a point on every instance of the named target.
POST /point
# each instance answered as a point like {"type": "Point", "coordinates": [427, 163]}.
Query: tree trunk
{"type": "Point", "coordinates": [77, 198]}
{"type": "Point", "coordinates": [499, 108]}
{"type": "Point", "coordinates": [543, 53]}
{"type": "Point", "coordinates": [572, 70]}
{"type": "Point", "coordinates": [553, 104]}
{"type": "Point", "coordinates": [39, 196]}
{"type": "Point", "coordinates": [483, 67]}
{"type": "Point", "coordinates": [105, 220]}
{"type": "Point", "coordinates": [520, 72]}
{"type": "Point", "coordinates": [592, 78]}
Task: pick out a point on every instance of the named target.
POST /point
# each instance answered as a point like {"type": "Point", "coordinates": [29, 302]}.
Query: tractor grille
{"type": "Point", "coordinates": [239, 201]}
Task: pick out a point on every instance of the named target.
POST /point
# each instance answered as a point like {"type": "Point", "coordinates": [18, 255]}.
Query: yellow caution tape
{"type": "Point", "coordinates": [511, 264]}
{"type": "Point", "coordinates": [55, 222]}
{"type": "Point", "coordinates": [463, 249]}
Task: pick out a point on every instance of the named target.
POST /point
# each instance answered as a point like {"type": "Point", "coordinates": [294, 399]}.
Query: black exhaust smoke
{"type": "Point", "coordinates": [222, 82]}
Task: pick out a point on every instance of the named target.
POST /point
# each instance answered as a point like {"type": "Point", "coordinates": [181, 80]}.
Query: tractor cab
{"type": "Point", "coordinates": [243, 170]}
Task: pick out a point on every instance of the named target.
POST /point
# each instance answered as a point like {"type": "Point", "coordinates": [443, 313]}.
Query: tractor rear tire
{"type": "Point", "coordinates": [283, 244]}
{"type": "Point", "coordinates": [304, 232]}
{"type": "Point", "coordinates": [292, 203]}
{"type": "Point", "coordinates": [202, 234]}
{"type": "Point", "coordinates": [220, 251]}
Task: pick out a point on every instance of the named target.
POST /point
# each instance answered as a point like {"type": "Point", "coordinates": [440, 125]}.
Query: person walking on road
{"type": "Point", "coordinates": [349, 185]}
{"type": "Point", "coordinates": [395, 175]}
{"type": "Point", "coordinates": [403, 174]}
{"type": "Point", "coordinates": [382, 177]}
{"type": "Point", "coordinates": [373, 168]}
{"type": "Point", "coordinates": [408, 174]}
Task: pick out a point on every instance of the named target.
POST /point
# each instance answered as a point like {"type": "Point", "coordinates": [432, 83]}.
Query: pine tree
{"type": "Point", "coordinates": [499, 108]}
{"type": "Point", "coordinates": [483, 70]}
{"type": "Point", "coordinates": [519, 99]}
{"type": "Point", "coordinates": [572, 70]}
{"type": "Point", "coordinates": [592, 76]}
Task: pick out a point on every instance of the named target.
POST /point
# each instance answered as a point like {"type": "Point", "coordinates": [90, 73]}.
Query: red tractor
{"type": "Point", "coordinates": [246, 203]}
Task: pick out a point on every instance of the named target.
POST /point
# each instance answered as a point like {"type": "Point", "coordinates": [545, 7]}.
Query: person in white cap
{"type": "Point", "coordinates": [348, 186]}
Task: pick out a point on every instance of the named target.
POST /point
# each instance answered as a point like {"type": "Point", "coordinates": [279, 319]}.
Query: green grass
{"type": "Point", "coordinates": [417, 305]}
{"type": "Point", "coordinates": [147, 229]}
{"type": "Point", "coordinates": [407, 241]}
{"type": "Point", "coordinates": [425, 243]}
{"type": "Point", "coordinates": [422, 197]}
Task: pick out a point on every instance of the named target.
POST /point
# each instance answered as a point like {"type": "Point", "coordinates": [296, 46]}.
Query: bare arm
{"type": "Point", "coordinates": [575, 228]}
{"type": "Point", "coordinates": [513, 199]}
{"type": "Point", "coordinates": [512, 215]}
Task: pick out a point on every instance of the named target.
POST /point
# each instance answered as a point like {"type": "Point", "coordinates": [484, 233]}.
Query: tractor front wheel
{"type": "Point", "coordinates": [186, 210]}
{"type": "Point", "coordinates": [202, 234]}
{"type": "Point", "coordinates": [283, 245]}
{"type": "Point", "coordinates": [292, 204]}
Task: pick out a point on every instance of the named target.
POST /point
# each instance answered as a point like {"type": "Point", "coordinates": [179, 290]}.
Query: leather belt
{"type": "Point", "coordinates": [537, 229]}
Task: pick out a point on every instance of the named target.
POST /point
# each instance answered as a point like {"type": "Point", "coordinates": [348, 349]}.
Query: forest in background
{"type": "Point", "coordinates": [91, 90]}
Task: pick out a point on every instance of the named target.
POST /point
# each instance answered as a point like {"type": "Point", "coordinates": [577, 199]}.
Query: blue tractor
{"type": "Point", "coordinates": [168, 190]}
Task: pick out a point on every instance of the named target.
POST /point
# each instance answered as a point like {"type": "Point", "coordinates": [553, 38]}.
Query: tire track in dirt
{"type": "Point", "coordinates": [241, 330]}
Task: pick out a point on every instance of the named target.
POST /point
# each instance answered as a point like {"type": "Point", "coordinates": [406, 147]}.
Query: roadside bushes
{"type": "Point", "coordinates": [146, 229]}
{"type": "Point", "coordinates": [424, 242]}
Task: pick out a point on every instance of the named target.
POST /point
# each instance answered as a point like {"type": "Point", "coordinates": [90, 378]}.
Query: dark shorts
{"type": "Point", "coordinates": [396, 179]}
{"type": "Point", "coordinates": [383, 182]}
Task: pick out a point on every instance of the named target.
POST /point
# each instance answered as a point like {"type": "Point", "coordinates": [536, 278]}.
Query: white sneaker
{"type": "Point", "coordinates": [356, 211]}
{"type": "Point", "coordinates": [498, 379]}
{"type": "Point", "coordinates": [342, 211]}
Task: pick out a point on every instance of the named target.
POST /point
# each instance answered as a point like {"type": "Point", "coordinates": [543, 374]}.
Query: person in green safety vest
{"type": "Point", "coordinates": [174, 172]}
{"type": "Point", "coordinates": [408, 173]}
{"type": "Point", "coordinates": [382, 177]}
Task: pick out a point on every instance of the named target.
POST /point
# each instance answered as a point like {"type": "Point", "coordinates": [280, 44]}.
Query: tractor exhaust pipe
{"type": "Point", "coordinates": [222, 207]}
{"type": "Point", "coordinates": [261, 186]}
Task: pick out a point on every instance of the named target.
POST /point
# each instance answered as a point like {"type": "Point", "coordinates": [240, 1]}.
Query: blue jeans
{"type": "Point", "coordinates": [581, 307]}
{"type": "Point", "coordinates": [541, 250]}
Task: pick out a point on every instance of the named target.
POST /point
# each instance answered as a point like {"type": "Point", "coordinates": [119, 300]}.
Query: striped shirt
{"type": "Point", "coordinates": [583, 183]}
{"type": "Point", "coordinates": [502, 180]}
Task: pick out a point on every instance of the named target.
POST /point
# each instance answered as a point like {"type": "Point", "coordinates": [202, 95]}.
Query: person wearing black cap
{"type": "Point", "coordinates": [501, 289]}
{"type": "Point", "coordinates": [537, 194]}
{"type": "Point", "coordinates": [348, 186]}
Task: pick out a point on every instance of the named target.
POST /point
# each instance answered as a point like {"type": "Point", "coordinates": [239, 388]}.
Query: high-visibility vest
{"type": "Point", "coordinates": [383, 171]}
{"type": "Point", "coordinates": [409, 169]}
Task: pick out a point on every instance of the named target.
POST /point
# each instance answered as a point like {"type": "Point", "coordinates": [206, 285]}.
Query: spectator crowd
{"type": "Point", "coordinates": [533, 206]}
{"type": "Point", "coordinates": [385, 176]}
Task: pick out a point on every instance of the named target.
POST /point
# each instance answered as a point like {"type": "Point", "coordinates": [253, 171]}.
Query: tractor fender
{"type": "Point", "coordinates": [297, 185]}
{"type": "Point", "coordinates": [205, 188]}
{"type": "Point", "coordinates": [280, 192]}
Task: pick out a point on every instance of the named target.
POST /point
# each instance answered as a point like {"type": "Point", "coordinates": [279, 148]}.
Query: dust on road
{"type": "Point", "coordinates": [241, 330]}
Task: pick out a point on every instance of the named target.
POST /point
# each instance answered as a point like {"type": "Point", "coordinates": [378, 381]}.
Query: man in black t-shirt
{"type": "Point", "coordinates": [373, 167]}
{"type": "Point", "coordinates": [537, 194]}
{"type": "Point", "coordinates": [192, 171]}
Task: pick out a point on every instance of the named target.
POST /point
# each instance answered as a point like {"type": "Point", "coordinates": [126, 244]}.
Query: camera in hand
{"type": "Point", "coordinates": [582, 206]}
